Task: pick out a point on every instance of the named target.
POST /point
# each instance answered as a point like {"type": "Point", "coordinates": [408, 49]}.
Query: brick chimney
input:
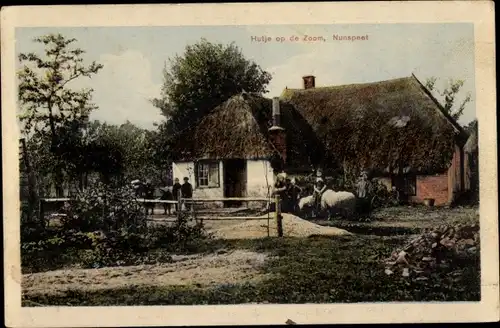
{"type": "Point", "coordinates": [309, 81]}
{"type": "Point", "coordinates": [277, 132]}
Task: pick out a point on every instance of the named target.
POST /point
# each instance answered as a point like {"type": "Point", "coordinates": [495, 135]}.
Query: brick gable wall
{"type": "Point", "coordinates": [432, 186]}
{"type": "Point", "coordinates": [443, 188]}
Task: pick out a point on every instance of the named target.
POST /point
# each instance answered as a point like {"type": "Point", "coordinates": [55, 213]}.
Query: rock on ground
{"type": "Point", "coordinates": [435, 248]}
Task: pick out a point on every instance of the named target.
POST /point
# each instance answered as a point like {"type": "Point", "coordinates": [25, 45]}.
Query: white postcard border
{"type": "Point", "coordinates": [480, 13]}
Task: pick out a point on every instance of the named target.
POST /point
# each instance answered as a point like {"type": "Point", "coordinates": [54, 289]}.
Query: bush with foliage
{"type": "Point", "coordinates": [105, 208]}
{"type": "Point", "coordinates": [107, 226]}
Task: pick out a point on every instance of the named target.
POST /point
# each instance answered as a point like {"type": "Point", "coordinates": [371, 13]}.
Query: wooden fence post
{"type": "Point", "coordinates": [41, 213]}
{"type": "Point", "coordinates": [179, 205]}
{"type": "Point", "coordinates": [279, 218]}
{"type": "Point", "coordinates": [193, 213]}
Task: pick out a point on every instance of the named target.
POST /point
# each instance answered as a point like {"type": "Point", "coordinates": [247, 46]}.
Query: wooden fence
{"type": "Point", "coordinates": [182, 202]}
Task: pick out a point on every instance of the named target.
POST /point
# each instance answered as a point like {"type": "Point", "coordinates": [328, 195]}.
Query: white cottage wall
{"type": "Point", "coordinates": [186, 169]}
{"type": "Point", "coordinates": [260, 179]}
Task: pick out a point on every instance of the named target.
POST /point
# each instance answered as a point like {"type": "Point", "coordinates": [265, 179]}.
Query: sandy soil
{"type": "Point", "coordinates": [220, 268]}
{"type": "Point", "coordinates": [293, 226]}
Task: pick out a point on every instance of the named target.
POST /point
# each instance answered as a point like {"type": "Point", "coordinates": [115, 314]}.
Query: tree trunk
{"type": "Point", "coordinates": [58, 182]}
{"type": "Point", "coordinates": [32, 197]}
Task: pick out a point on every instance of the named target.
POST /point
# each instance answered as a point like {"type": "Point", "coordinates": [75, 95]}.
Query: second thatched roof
{"type": "Point", "coordinates": [380, 125]}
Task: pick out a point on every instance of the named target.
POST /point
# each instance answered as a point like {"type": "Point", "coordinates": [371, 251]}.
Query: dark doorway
{"type": "Point", "coordinates": [406, 185]}
{"type": "Point", "coordinates": [235, 176]}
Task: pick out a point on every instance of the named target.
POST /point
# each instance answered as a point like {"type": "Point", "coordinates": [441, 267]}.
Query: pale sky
{"type": "Point", "coordinates": [133, 58]}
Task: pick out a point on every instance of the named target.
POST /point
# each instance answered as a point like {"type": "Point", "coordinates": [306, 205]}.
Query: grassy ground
{"type": "Point", "coordinates": [407, 220]}
{"type": "Point", "coordinates": [304, 270]}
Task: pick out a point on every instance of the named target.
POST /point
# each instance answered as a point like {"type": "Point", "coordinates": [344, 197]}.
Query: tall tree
{"type": "Point", "coordinates": [449, 93]}
{"type": "Point", "coordinates": [137, 149]}
{"type": "Point", "coordinates": [48, 104]}
{"type": "Point", "coordinates": [203, 77]}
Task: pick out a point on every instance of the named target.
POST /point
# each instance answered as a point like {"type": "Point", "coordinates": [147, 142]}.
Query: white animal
{"type": "Point", "coordinates": [342, 201]}
{"type": "Point", "coordinates": [305, 201]}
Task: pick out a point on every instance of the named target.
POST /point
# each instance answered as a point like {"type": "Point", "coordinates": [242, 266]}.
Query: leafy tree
{"type": "Point", "coordinates": [205, 76]}
{"type": "Point", "coordinates": [136, 147]}
{"type": "Point", "coordinates": [450, 93]}
{"type": "Point", "coordinates": [48, 106]}
{"type": "Point", "coordinates": [44, 93]}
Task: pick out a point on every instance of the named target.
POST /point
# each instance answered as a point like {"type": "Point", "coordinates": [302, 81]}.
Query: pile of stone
{"type": "Point", "coordinates": [435, 249]}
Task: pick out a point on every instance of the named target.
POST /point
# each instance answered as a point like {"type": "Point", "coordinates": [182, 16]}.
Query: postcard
{"type": "Point", "coordinates": [226, 164]}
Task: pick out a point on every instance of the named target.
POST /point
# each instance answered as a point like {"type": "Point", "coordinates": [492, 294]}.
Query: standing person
{"type": "Point", "coordinates": [280, 189]}
{"type": "Point", "coordinates": [362, 186]}
{"type": "Point", "coordinates": [319, 189]}
{"type": "Point", "coordinates": [166, 194]}
{"type": "Point", "coordinates": [287, 201]}
{"type": "Point", "coordinates": [137, 186]}
{"type": "Point", "coordinates": [362, 189]}
{"type": "Point", "coordinates": [149, 195]}
{"type": "Point", "coordinates": [175, 191]}
{"type": "Point", "coordinates": [187, 190]}
{"type": "Point", "coordinates": [294, 195]}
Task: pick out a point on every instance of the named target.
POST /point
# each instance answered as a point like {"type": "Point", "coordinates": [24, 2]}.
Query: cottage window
{"type": "Point", "coordinates": [208, 174]}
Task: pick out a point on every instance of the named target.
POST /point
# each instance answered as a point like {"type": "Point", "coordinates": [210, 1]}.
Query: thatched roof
{"type": "Point", "coordinates": [238, 128]}
{"type": "Point", "coordinates": [380, 126]}
{"type": "Point", "coordinates": [366, 122]}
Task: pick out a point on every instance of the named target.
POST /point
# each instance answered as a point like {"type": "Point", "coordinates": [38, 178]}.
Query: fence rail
{"type": "Point", "coordinates": [186, 200]}
{"type": "Point", "coordinates": [232, 218]}
{"type": "Point", "coordinates": [228, 199]}
{"type": "Point", "coordinates": [183, 201]}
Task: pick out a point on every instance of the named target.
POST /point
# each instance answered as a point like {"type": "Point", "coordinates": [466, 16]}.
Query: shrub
{"type": "Point", "coordinates": [104, 208]}
{"type": "Point", "coordinates": [105, 226]}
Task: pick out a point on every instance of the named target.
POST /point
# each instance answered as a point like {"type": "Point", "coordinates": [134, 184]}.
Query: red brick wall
{"type": "Point", "coordinates": [432, 186]}
{"type": "Point", "coordinates": [278, 138]}
{"type": "Point", "coordinates": [444, 187]}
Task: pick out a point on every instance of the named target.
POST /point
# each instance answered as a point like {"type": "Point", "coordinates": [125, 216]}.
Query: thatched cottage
{"type": "Point", "coordinates": [395, 129]}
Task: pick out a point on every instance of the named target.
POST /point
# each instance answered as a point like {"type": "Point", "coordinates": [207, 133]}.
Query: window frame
{"type": "Point", "coordinates": [207, 167]}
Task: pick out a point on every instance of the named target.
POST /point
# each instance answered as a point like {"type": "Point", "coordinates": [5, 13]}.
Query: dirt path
{"type": "Point", "coordinates": [212, 269]}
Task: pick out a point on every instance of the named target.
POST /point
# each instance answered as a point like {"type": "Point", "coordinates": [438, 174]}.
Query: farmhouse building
{"type": "Point", "coordinates": [395, 129]}
{"type": "Point", "coordinates": [236, 149]}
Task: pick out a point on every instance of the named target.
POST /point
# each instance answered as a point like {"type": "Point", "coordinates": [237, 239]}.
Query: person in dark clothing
{"type": "Point", "coordinates": [187, 191]}
{"type": "Point", "coordinates": [362, 185]}
{"type": "Point", "coordinates": [286, 200]}
{"type": "Point", "coordinates": [280, 189]}
{"type": "Point", "coordinates": [149, 192]}
{"type": "Point", "coordinates": [175, 191]}
{"type": "Point", "coordinates": [293, 195]}
{"type": "Point", "coordinates": [319, 189]}
{"type": "Point", "coordinates": [166, 195]}
{"type": "Point", "coordinates": [138, 189]}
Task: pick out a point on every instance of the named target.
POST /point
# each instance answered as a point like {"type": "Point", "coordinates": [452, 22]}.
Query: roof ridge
{"type": "Point", "coordinates": [448, 117]}
{"type": "Point", "coordinates": [350, 84]}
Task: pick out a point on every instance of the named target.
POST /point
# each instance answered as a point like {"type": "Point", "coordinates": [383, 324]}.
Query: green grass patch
{"type": "Point", "coordinates": [310, 270]}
